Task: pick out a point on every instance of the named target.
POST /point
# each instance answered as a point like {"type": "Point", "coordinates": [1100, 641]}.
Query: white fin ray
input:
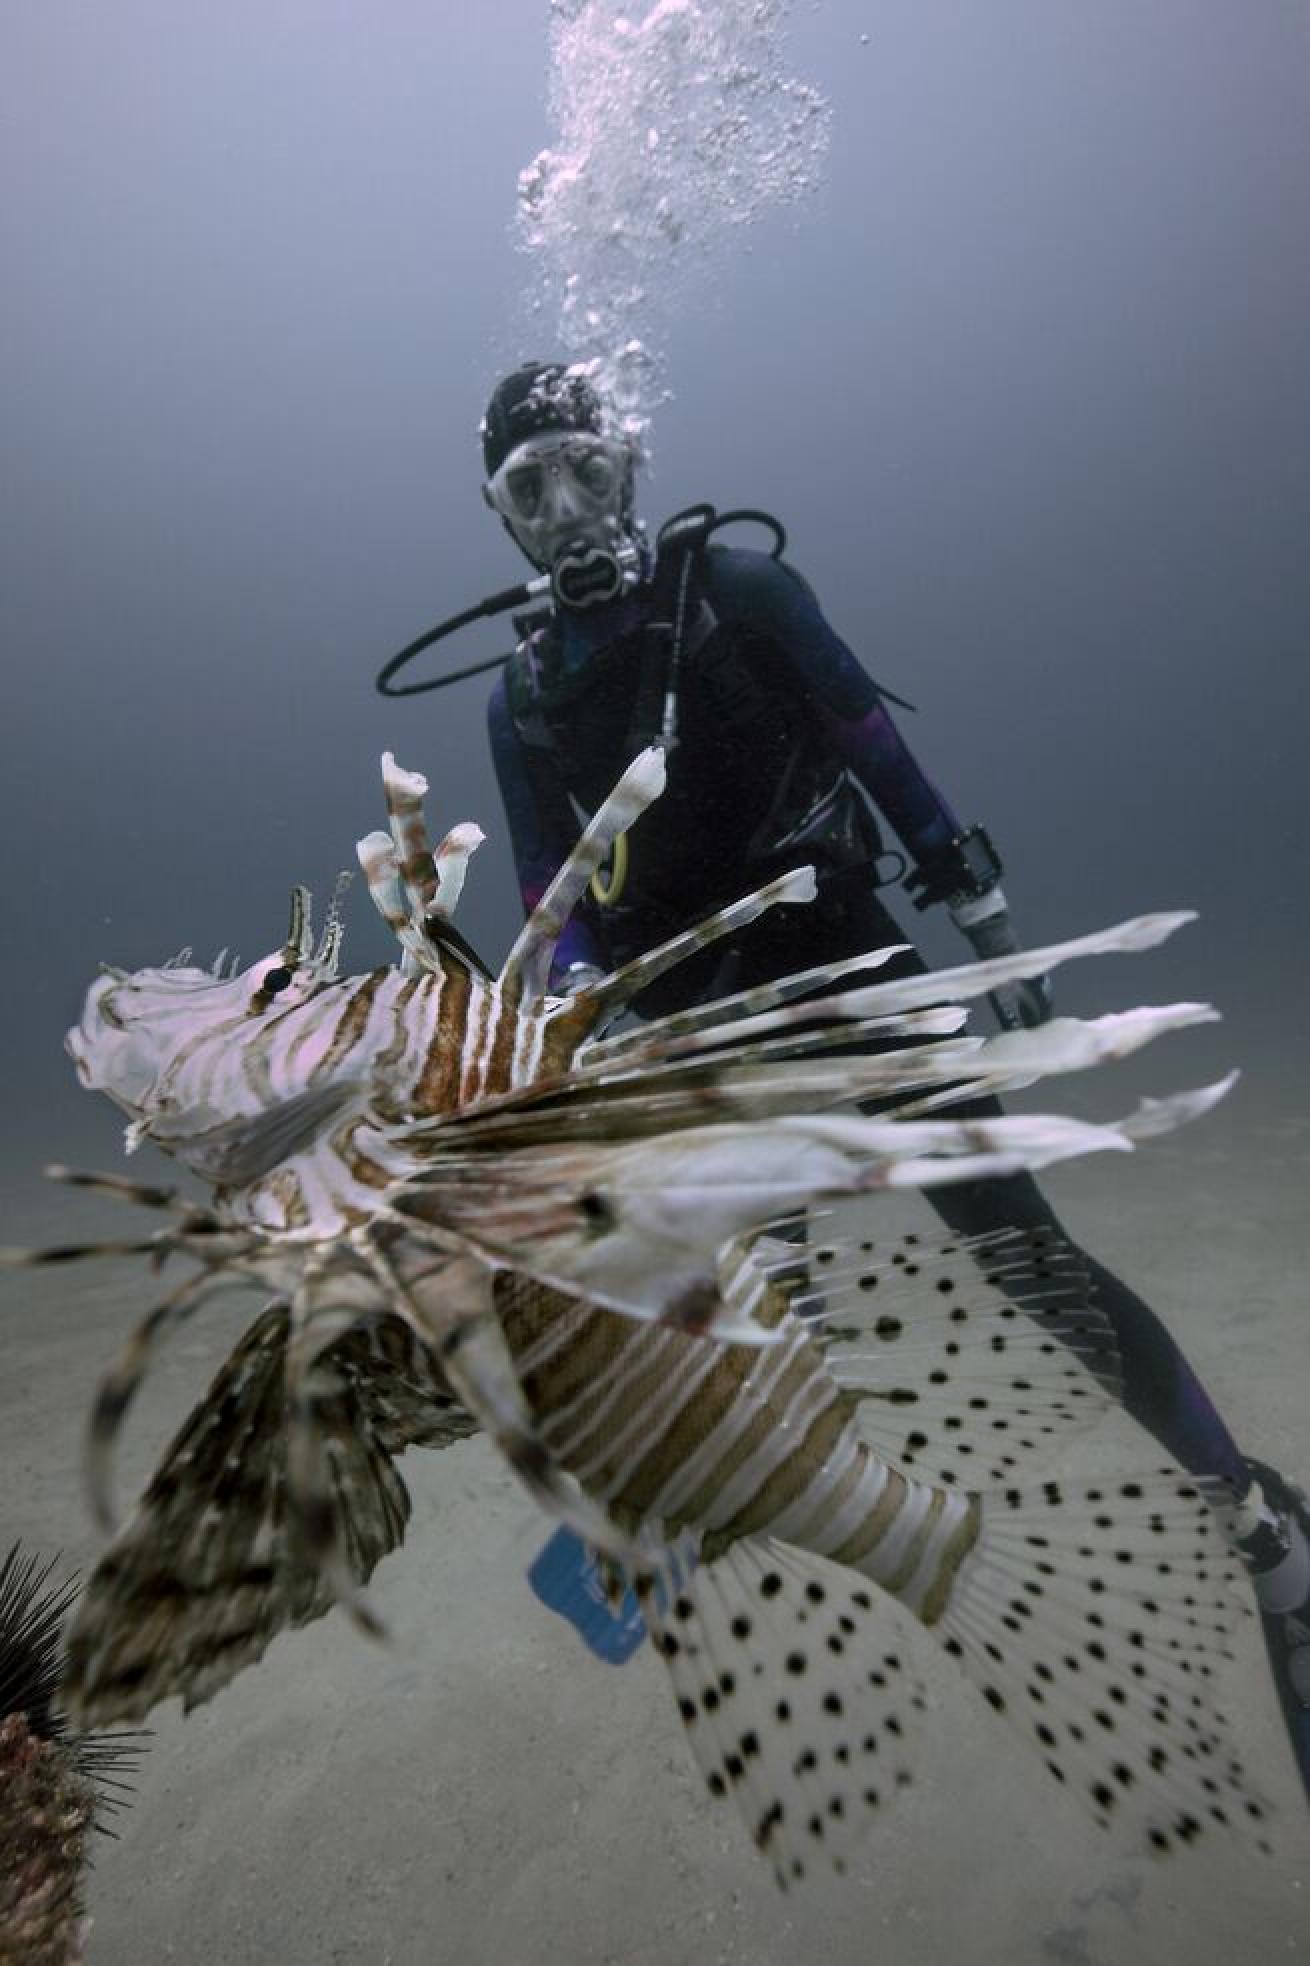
{"type": "Point", "coordinates": [791, 1682]}
{"type": "Point", "coordinates": [923, 989]}
{"type": "Point", "coordinates": [527, 965]}
{"type": "Point", "coordinates": [405, 792]}
{"type": "Point", "coordinates": [617, 989]}
{"type": "Point", "coordinates": [376, 854]}
{"type": "Point", "coordinates": [966, 1065]}
{"type": "Point", "coordinates": [941, 1021]}
{"type": "Point", "coordinates": [451, 859]}
{"type": "Point", "coordinates": [1152, 1117]}
{"type": "Point", "coordinates": [637, 1226]}
{"type": "Point", "coordinates": [689, 1097]}
{"type": "Point", "coordinates": [412, 882]}
{"type": "Point", "coordinates": [653, 1038]}
{"type": "Point", "coordinates": [763, 1081]}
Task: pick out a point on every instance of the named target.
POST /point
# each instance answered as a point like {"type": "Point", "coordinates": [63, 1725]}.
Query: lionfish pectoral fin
{"type": "Point", "coordinates": [321, 1483]}
{"type": "Point", "coordinates": [645, 1226]}
{"type": "Point", "coordinates": [209, 1568]}
{"type": "Point", "coordinates": [790, 1680]}
{"type": "Point", "coordinates": [245, 1149]}
{"type": "Point", "coordinates": [118, 1387]}
{"type": "Point", "coordinates": [1095, 1617]}
{"type": "Point", "coordinates": [588, 1239]}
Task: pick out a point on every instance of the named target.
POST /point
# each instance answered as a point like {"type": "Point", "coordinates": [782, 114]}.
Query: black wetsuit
{"type": "Point", "coordinates": [782, 735]}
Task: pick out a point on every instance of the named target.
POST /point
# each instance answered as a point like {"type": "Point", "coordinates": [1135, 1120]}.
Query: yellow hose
{"type": "Point", "coordinates": [608, 892]}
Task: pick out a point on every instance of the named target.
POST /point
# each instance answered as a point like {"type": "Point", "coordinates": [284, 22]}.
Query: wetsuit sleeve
{"type": "Point", "coordinates": [772, 599]}
{"type": "Point", "coordinates": [542, 829]}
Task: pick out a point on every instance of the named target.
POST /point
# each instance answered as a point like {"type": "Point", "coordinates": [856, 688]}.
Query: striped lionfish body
{"type": "Point", "coordinates": [477, 1209]}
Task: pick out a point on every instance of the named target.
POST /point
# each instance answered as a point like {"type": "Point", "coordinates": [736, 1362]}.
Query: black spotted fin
{"type": "Point", "coordinates": [1094, 1618]}
{"type": "Point", "coordinates": [972, 1359]}
{"type": "Point", "coordinates": [792, 1683]}
{"type": "Point", "coordinates": [1097, 1617]}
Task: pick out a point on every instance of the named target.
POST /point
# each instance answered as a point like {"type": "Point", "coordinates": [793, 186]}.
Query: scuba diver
{"type": "Point", "coordinates": [780, 747]}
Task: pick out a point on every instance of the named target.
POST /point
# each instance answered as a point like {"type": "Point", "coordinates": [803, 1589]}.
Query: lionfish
{"type": "Point", "coordinates": [479, 1205]}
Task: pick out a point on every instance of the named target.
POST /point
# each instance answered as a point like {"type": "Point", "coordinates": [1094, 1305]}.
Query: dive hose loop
{"type": "Point", "coordinates": [607, 892]}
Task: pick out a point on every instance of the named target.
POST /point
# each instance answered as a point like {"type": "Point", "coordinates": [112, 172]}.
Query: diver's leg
{"type": "Point", "coordinates": [1282, 1587]}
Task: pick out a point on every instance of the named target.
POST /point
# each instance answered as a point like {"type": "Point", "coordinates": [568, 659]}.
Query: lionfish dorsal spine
{"type": "Point", "coordinates": [617, 990]}
{"type": "Point", "coordinates": [405, 792]}
{"type": "Point", "coordinates": [527, 967]}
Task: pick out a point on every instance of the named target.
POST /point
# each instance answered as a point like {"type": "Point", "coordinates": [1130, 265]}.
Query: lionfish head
{"type": "Point", "coordinates": [136, 1025]}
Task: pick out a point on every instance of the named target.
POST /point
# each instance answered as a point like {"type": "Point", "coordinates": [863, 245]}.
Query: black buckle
{"type": "Point", "coordinates": [965, 869]}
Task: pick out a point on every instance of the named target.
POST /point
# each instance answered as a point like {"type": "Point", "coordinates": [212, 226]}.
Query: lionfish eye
{"type": "Point", "coordinates": [274, 980]}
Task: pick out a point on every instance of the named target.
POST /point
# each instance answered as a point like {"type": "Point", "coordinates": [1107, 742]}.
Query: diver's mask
{"type": "Point", "coordinates": [566, 500]}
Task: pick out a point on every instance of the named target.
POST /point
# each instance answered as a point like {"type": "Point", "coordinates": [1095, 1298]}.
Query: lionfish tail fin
{"type": "Point", "coordinates": [1092, 1619]}
{"type": "Point", "coordinates": [1095, 1617]}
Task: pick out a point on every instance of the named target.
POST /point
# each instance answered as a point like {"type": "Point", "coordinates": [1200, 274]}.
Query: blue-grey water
{"type": "Point", "coordinates": [1027, 381]}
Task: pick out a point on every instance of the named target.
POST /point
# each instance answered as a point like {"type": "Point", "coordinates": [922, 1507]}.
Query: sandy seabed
{"type": "Point", "coordinates": [481, 1789]}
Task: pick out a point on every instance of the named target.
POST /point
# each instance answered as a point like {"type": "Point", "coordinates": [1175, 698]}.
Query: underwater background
{"type": "Point", "coordinates": [1025, 376]}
